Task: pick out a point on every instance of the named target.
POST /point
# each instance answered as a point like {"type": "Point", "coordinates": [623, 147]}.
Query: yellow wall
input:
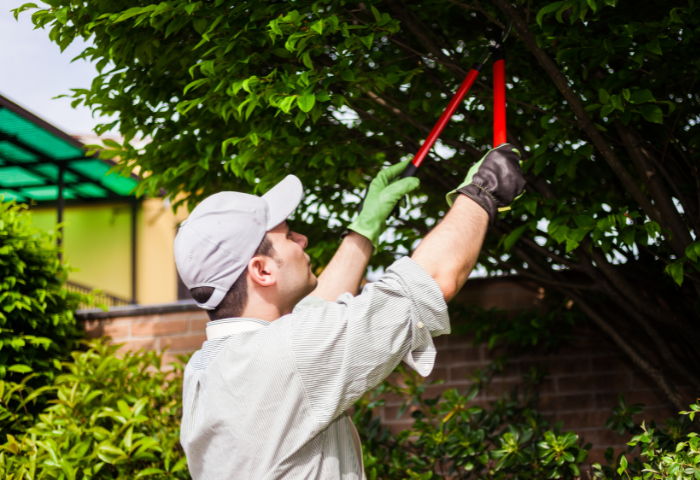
{"type": "Point", "coordinates": [97, 244]}
{"type": "Point", "coordinates": [157, 274]}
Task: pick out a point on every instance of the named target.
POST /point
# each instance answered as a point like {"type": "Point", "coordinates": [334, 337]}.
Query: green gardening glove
{"type": "Point", "coordinates": [494, 182]}
{"type": "Point", "coordinates": [382, 196]}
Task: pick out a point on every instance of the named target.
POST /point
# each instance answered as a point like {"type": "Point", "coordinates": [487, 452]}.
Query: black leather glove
{"type": "Point", "coordinates": [494, 182]}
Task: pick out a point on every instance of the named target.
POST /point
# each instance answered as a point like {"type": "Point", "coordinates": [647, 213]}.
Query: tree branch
{"type": "Point", "coordinates": [619, 290]}
{"type": "Point", "coordinates": [637, 358]}
{"type": "Point", "coordinates": [480, 9]}
{"type": "Point", "coordinates": [546, 281]}
{"type": "Point", "coordinates": [584, 121]}
{"type": "Point", "coordinates": [669, 214]}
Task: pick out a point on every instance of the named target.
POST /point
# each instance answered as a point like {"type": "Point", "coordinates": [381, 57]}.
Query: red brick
{"type": "Point", "coordinates": [390, 413]}
{"type": "Point", "coordinates": [169, 358]}
{"type": "Point", "coordinates": [546, 386]}
{"type": "Point", "coordinates": [639, 380]}
{"type": "Point", "coordinates": [497, 389]}
{"type": "Point", "coordinates": [185, 316]}
{"type": "Point", "coordinates": [114, 330]}
{"type": "Point", "coordinates": [583, 419]}
{"type": "Point", "coordinates": [392, 398]}
{"type": "Point", "coordinates": [596, 455]}
{"type": "Point", "coordinates": [459, 341]}
{"type": "Point", "coordinates": [595, 382]}
{"type": "Point", "coordinates": [610, 364]}
{"type": "Point", "coordinates": [458, 355]}
{"type": "Point", "coordinates": [461, 374]}
{"type": "Point", "coordinates": [198, 324]}
{"type": "Point", "coordinates": [399, 427]}
{"type": "Point", "coordinates": [548, 403]}
{"type": "Point", "coordinates": [434, 390]}
{"type": "Point", "coordinates": [645, 397]}
{"type": "Point", "coordinates": [185, 342]}
{"type": "Point", "coordinates": [557, 367]}
{"type": "Point", "coordinates": [658, 414]}
{"type": "Point", "coordinates": [438, 373]}
{"type": "Point", "coordinates": [611, 438]}
{"type": "Point", "coordinates": [134, 345]}
{"type": "Point", "coordinates": [161, 327]}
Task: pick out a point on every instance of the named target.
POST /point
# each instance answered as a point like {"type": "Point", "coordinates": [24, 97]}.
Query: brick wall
{"type": "Point", "coordinates": [179, 327]}
{"type": "Point", "coordinates": [584, 376]}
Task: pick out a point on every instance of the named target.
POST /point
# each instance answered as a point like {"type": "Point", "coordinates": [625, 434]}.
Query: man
{"type": "Point", "coordinates": [286, 354]}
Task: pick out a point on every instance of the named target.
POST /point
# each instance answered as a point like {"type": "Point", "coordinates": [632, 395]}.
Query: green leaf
{"type": "Point", "coordinates": [200, 25]}
{"type": "Point", "coordinates": [367, 41]}
{"type": "Point", "coordinates": [603, 96]}
{"type": "Point", "coordinates": [150, 471]}
{"type": "Point", "coordinates": [377, 15]}
{"type": "Point", "coordinates": [62, 15]}
{"type": "Point", "coordinates": [348, 75]}
{"type": "Point", "coordinates": [652, 113]}
{"type": "Point", "coordinates": [19, 368]}
{"type": "Point", "coordinates": [641, 96]}
{"type": "Point", "coordinates": [195, 84]}
{"type": "Point", "coordinates": [548, 9]}
{"type": "Point", "coordinates": [513, 237]}
{"type": "Point", "coordinates": [530, 204]}
{"type": "Point", "coordinates": [607, 110]}
{"type": "Point", "coordinates": [306, 102]}
{"type": "Point", "coordinates": [691, 251]}
{"type": "Point", "coordinates": [128, 14]}
{"type": "Point", "coordinates": [317, 27]}
{"type": "Point", "coordinates": [675, 270]}
{"type": "Point", "coordinates": [616, 101]}
{"type": "Point", "coordinates": [654, 47]}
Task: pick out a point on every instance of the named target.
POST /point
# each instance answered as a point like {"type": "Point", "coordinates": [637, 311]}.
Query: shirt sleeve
{"type": "Point", "coordinates": [345, 348]}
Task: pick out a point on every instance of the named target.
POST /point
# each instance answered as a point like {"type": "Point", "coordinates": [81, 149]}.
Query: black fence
{"type": "Point", "coordinates": [99, 298]}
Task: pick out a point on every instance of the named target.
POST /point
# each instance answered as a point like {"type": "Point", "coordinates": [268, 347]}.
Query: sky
{"type": "Point", "coordinates": [33, 71]}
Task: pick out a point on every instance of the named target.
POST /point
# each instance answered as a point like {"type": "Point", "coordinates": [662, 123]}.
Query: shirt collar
{"type": "Point", "coordinates": [232, 326]}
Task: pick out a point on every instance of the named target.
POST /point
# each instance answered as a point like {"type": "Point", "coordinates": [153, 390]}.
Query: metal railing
{"type": "Point", "coordinates": [98, 297]}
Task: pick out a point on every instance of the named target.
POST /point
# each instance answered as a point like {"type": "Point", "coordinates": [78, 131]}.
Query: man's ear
{"type": "Point", "coordinates": [260, 271]}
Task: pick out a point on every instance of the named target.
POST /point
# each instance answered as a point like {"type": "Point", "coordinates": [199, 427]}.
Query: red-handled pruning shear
{"type": "Point", "coordinates": [499, 102]}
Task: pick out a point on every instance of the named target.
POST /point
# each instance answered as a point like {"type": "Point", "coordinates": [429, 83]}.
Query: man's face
{"type": "Point", "coordinates": [295, 279]}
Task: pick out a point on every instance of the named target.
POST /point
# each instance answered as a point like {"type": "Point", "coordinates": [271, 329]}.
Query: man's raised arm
{"type": "Point", "coordinates": [449, 252]}
{"type": "Point", "coordinates": [347, 268]}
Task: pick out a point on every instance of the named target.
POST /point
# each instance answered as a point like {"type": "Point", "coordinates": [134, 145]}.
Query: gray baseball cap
{"type": "Point", "coordinates": [214, 245]}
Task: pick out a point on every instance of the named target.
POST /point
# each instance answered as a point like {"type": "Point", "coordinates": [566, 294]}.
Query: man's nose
{"type": "Point", "coordinates": [301, 240]}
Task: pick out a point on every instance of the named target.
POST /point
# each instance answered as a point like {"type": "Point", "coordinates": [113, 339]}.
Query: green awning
{"type": "Point", "coordinates": [33, 154]}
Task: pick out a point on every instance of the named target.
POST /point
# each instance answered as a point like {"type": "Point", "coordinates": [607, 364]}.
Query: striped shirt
{"type": "Point", "coordinates": [267, 400]}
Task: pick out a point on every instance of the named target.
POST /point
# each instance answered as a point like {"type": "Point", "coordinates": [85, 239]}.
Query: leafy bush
{"type": "Point", "coordinates": [37, 325]}
{"type": "Point", "coordinates": [671, 452]}
{"type": "Point", "coordinates": [450, 439]}
{"type": "Point", "coordinates": [113, 417]}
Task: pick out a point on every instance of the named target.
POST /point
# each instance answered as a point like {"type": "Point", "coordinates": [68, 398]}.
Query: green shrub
{"type": "Point", "coordinates": [668, 452]}
{"type": "Point", "coordinates": [451, 439]}
{"type": "Point", "coordinates": [113, 417]}
{"type": "Point", "coordinates": [37, 323]}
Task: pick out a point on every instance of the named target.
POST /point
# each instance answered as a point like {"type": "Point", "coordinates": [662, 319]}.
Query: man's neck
{"type": "Point", "coordinates": [265, 311]}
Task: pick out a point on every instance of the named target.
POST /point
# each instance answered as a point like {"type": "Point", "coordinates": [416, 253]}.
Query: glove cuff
{"type": "Point", "coordinates": [482, 198]}
{"type": "Point", "coordinates": [370, 235]}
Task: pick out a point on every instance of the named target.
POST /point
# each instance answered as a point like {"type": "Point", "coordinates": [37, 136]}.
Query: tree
{"type": "Point", "coordinates": [236, 95]}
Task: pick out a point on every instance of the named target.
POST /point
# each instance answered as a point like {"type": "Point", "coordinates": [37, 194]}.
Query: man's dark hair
{"type": "Point", "coordinates": [235, 300]}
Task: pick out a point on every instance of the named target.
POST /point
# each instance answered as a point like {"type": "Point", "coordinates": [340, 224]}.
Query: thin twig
{"type": "Point", "coordinates": [479, 9]}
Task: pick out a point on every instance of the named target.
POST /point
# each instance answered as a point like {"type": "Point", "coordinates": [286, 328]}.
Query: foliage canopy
{"type": "Point", "coordinates": [601, 102]}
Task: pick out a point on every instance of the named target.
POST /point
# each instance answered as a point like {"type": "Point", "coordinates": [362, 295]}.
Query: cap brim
{"type": "Point", "coordinates": [282, 200]}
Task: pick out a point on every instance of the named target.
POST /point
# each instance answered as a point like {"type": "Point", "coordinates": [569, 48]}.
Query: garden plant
{"type": "Point", "coordinates": [37, 315]}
